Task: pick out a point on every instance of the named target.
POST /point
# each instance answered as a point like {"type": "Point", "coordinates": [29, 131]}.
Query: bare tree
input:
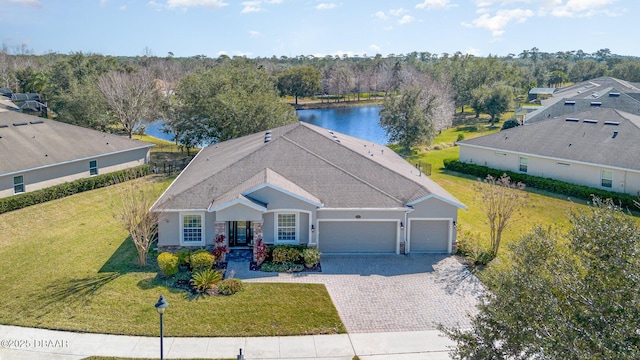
{"type": "Point", "coordinates": [131, 98]}
{"type": "Point", "coordinates": [131, 211]}
{"type": "Point", "coordinates": [501, 200]}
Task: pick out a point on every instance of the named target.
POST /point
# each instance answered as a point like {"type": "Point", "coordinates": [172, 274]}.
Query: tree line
{"type": "Point", "coordinates": [206, 99]}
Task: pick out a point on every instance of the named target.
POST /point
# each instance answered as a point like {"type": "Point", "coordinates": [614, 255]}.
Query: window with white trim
{"type": "Point", "coordinates": [18, 184]}
{"type": "Point", "coordinates": [606, 178]}
{"type": "Point", "coordinates": [93, 167]}
{"type": "Point", "coordinates": [524, 164]}
{"type": "Point", "coordinates": [192, 230]}
{"type": "Point", "coordinates": [286, 227]}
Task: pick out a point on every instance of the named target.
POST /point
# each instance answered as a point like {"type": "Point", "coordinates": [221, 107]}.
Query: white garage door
{"type": "Point", "coordinates": [429, 236]}
{"type": "Point", "coordinates": [357, 237]}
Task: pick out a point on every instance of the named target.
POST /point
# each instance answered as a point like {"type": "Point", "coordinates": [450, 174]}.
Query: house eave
{"type": "Point", "coordinates": [553, 158]}
{"type": "Point", "coordinates": [434, 196]}
{"type": "Point", "coordinates": [76, 160]}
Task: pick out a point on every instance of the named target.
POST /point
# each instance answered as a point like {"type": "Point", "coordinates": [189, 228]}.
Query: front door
{"type": "Point", "coordinates": [240, 233]}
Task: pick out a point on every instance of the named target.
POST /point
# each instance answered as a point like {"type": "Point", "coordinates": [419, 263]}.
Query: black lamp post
{"type": "Point", "coordinates": [160, 306]}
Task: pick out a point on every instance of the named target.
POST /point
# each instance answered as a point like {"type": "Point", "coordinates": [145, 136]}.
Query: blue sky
{"type": "Point", "coordinates": [319, 27]}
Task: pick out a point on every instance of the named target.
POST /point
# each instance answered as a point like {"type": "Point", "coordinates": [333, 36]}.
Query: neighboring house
{"type": "Point", "coordinates": [606, 98]}
{"type": "Point", "coordinates": [522, 112]}
{"type": "Point", "coordinates": [302, 184]}
{"type": "Point", "coordinates": [589, 87]}
{"type": "Point", "coordinates": [38, 153]}
{"type": "Point", "coordinates": [599, 148]}
{"type": "Point", "coordinates": [540, 93]}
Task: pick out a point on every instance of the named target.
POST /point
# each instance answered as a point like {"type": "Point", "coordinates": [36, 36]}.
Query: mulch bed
{"type": "Point", "coordinates": [253, 266]}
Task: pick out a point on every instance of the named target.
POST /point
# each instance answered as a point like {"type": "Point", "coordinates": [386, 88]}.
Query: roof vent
{"type": "Point", "coordinates": [20, 124]}
{"type": "Point", "coordinates": [612, 123]}
{"type": "Point", "coordinates": [596, 103]}
{"type": "Point", "coordinates": [572, 119]}
{"type": "Point", "coordinates": [616, 94]}
{"type": "Point", "coordinates": [267, 138]}
{"type": "Point", "coordinates": [569, 102]}
{"type": "Point", "coordinates": [3, 126]}
{"type": "Point", "coordinates": [615, 133]}
{"type": "Point", "coordinates": [590, 121]}
{"type": "Point", "coordinates": [36, 122]}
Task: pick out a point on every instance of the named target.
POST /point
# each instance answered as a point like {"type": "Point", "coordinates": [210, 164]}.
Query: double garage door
{"type": "Point", "coordinates": [382, 236]}
{"type": "Point", "coordinates": [358, 237]}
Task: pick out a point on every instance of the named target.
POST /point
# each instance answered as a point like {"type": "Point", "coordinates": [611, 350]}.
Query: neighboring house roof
{"type": "Point", "coordinates": [542, 91]}
{"type": "Point", "coordinates": [586, 88]}
{"type": "Point", "coordinates": [599, 136]}
{"type": "Point", "coordinates": [28, 142]}
{"type": "Point", "coordinates": [319, 166]}
{"type": "Point", "coordinates": [24, 97]}
{"type": "Point", "coordinates": [605, 98]}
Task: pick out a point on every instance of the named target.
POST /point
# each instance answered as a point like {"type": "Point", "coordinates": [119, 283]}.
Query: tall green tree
{"type": "Point", "coordinates": [228, 101]}
{"type": "Point", "coordinates": [493, 100]}
{"type": "Point", "coordinates": [413, 114]}
{"type": "Point", "coordinates": [562, 296]}
{"type": "Point", "coordinates": [300, 81]}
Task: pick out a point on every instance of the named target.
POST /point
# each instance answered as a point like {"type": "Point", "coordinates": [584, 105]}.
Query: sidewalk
{"type": "Point", "coordinates": [27, 343]}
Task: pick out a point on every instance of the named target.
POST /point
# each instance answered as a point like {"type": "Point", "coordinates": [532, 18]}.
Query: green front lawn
{"type": "Point", "coordinates": [67, 265]}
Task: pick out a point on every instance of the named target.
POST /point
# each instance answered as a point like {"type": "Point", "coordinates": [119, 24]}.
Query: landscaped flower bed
{"type": "Point", "coordinates": [285, 258]}
{"type": "Point", "coordinates": [197, 272]}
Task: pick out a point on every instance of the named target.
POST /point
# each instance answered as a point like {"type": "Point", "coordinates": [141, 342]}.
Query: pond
{"type": "Point", "coordinates": [360, 121]}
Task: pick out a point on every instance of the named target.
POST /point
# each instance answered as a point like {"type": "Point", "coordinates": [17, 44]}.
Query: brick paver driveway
{"type": "Point", "coordinates": [383, 293]}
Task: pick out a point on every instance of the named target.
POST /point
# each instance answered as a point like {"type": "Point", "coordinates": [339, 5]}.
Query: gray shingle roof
{"type": "Point", "coordinates": [590, 141]}
{"type": "Point", "coordinates": [28, 142]}
{"type": "Point", "coordinates": [605, 98]}
{"type": "Point", "coordinates": [305, 160]}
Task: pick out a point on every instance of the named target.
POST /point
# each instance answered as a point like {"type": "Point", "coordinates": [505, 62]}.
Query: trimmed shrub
{"type": "Point", "coordinates": [286, 253]}
{"type": "Point", "coordinates": [183, 256]}
{"type": "Point", "coordinates": [70, 188]}
{"type": "Point", "coordinates": [207, 279]}
{"type": "Point", "coordinates": [281, 267]}
{"type": "Point", "coordinates": [168, 263]}
{"type": "Point", "coordinates": [511, 123]}
{"type": "Point", "coordinates": [311, 256]}
{"type": "Point", "coordinates": [460, 137]}
{"type": "Point", "coordinates": [230, 286]}
{"type": "Point", "coordinates": [201, 260]}
{"type": "Point", "coordinates": [220, 249]}
{"type": "Point", "coordinates": [546, 184]}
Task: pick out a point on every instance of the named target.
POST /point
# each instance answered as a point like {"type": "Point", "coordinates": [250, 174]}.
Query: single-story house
{"type": "Point", "coordinates": [597, 148]}
{"type": "Point", "coordinates": [609, 97]}
{"type": "Point", "coordinates": [303, 184]}
{"type": "Point", "coordinates": [38, 152]}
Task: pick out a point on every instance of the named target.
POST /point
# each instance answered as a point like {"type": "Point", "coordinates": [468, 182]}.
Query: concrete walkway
{"type": "Point", "coordinates": [18, 343]}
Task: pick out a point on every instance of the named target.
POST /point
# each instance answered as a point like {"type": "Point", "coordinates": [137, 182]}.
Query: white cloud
{"type": "Point", "coordinates": [579, 8]}
{"type": "Point", "coordinates": [254, 34]}
{"type": "Point", "coordinates": [472, 51]}
{"type": "Point", "coordinates": [434, 4]}
{"type": "Point", "coordinates": [375, 48]}
{"type": "Point", "coordinates": [397, 12]}
{"type": "Point", "coordinates": [122, 8]}
{"type": "Point", "coordinates": [213, 4]}
{"type": "Point", "coordinates": [251, 6]}
{"type": "Point", "coordinates": [500, 20]}
{"type": "Point", "coordinates": [381, 15]}
{"type": "Point", "coordinates": [406, 20]}
{"type": "Point", "coordinates": [326, 6]}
